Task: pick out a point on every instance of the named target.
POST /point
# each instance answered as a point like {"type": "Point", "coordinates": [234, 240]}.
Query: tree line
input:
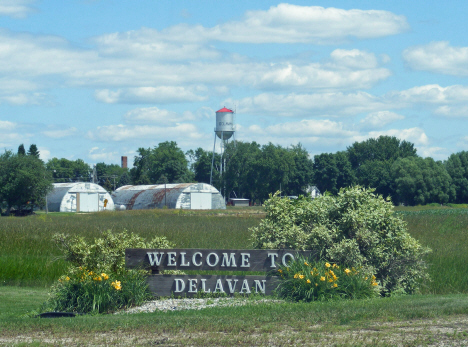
{"type": "Point", "coordinates": [250, 170]}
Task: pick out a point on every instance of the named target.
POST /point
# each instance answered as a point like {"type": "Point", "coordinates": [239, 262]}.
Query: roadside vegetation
{"type": "Point", "coordinates": [30, 263]}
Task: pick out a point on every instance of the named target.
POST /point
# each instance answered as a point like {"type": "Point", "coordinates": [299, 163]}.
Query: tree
{"type": "Point", "coordinates": [421, 181]}
{"type": "Point", "coordinates": [24, 182]}
{"type": "Point", "coordinates": [109, 172]}
{"type": "Point", "coordinates": [333, 172]}
{"type": "Point", "coordinates": [33, 151]}
{"type": "Point", "coordinates": [201, 164]}
{"type": "Point", "coordinates": [457, 168]}
{"type": "Point", "coordinates": [372, 160]}
{"type": "Point", "coordinates": [21, 150]}
{"type": "Point", "coordinates": [166, 159]}
{"type": "Point", "coordinates": [64, 170]}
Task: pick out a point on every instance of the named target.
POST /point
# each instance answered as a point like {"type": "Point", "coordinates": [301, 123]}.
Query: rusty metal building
{"type": "Point", "coordinates": [191, 196]}
{"type": "Point", "coordinates": [79, 197]}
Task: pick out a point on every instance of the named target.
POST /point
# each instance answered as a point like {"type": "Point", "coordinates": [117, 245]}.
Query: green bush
{"type": "Point", "coordinates": [306, 280]}
{"type": "Point", "coordinates": [85, 291]}
{"type": "Point", "coordinates": [97, 280]}
{"type": "Point", "coordinates": [107, 253]}
{"type": "Point", "coordinates": [356, 227]}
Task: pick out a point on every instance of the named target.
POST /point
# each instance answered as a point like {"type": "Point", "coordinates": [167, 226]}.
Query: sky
{"type": "Point", "coordinates": [98, 79]}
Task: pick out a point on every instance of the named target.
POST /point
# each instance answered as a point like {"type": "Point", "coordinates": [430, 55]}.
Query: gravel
{"type": "Point", "coordinates": [193, 304]}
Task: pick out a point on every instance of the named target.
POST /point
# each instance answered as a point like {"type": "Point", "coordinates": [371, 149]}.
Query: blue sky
{"type": "Point", "coordinates": [98, 79]}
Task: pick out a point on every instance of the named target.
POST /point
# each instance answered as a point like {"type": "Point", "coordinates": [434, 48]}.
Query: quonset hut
{"type": "Point", "coordinates": [79, 197]}
{"type": "Point", "coordinates": [190, 196]}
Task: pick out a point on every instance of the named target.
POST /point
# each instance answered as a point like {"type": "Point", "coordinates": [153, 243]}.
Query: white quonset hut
{"type": "Point", "coordinates": [79, 197]}
{"type": "Point", "coordinates": [190, 196]}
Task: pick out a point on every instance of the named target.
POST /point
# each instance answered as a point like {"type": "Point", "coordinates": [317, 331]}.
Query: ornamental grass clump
{"type": "Point", "coordinates": [306, 280]}
{"type": "Point", "coordinates": [356, 227]}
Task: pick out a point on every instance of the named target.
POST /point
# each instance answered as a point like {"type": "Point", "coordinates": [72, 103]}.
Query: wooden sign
{"type": "Point", "coordinates": [190, 285]}
{"type": "Point", "coordinates": [210, 259]}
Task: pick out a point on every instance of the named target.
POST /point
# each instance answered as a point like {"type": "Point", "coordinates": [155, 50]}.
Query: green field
{"type": "Point", "coordinates": [30, 262]}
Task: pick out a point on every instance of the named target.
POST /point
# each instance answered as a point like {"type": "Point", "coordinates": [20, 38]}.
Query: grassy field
{"type": "Point", "coordinates": [28, 257]}
{"type": "Point", "coordinates": [29, 263]}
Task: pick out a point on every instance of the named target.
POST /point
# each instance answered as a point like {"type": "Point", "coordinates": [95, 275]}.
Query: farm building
{"type": "Point", "coordinates": [79, 197]}
{"type": "Point", "coordinates": [191, 196]}
{"type": "Point", "coordinates": [239, 202]}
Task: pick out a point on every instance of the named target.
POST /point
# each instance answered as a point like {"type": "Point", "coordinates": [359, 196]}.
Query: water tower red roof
{"type": "Point", "coordinates": [224, 109]}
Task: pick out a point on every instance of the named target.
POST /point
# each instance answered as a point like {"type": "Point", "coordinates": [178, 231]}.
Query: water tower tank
{"type": "Point", "coordinates": [224, 123]}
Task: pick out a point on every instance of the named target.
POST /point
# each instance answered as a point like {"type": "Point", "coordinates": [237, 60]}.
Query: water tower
{"type": "Point", "coordinates": [224, 131]}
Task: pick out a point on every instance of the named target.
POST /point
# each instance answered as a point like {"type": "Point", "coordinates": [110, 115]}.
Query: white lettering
{"type": "Point", "coordinates": [245, 260]}
{"type": "Point", "coordinates": [260, 286]}
{"type": "Point", "coordinates": [182, 259]}
{"type": "Point", "coordinates": [194, 257]}
{"type": "Point", "coordinates": [208, 259]}
{"type": "Point", "coordinates": [287, 255]}
{"type": "Point", "coordinates": [219, 286]}
{"type": "Point", "coordinates": [273, 256]}
{"type": "Point", "coordinates": [245, 288]}
{"type": "Point", "coordinates": [192, 285]}
{"type": "Point", "coordinates": [229, 260]}
{"type": "Point", "coordinates": [153, 258]}
{"type": "Point", "coordinates": [171, 259]}
{"type": "Point", "coordinates": [203, 284]}
{"type": "Point", "coordinates": [232, 288]}
{"type": "Point", "coordinates": [179, 285]}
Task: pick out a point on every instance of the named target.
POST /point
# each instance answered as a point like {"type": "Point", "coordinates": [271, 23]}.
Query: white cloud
{"type": "Point", "coordinates": [354, 58]}
{"type": "Point", "coordinates": [123, 132]}
{"type": "Point", "coordinates": [16, 8]}
{"type": "Point", "coordinates": [414, 135]}
{"type": "Point", "coordinates": [380, 119]}
{"type": "Point", "coordinates": [102, 155]}
{"type": "Point", "coordinates": [150, 95]}
{"type": "Point", "coordinates": [61, 133]}
{"type": "Point", "coordinates": [304, 128]}
{"type": "Point", "coordinates": [438, 57]}
{"type": "Point", "coordinates": [44, 153]}
{"type": "Point", "coordinates": [7, 125]}
{"type": "Point", "coordinates": [287, 23]}
{"type": "Point", "coordinates": [156, 115]}
{"type": "Point", "coordinates": [306, 105]}
{"type": "Point", "coordinates": [452, 111]}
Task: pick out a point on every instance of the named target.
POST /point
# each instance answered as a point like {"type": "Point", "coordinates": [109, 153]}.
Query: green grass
{"type": "Point", "coordinates": [371, 322]}
{"type": "Point", "coordinates": [445, 231]}
{"type": "Point", "coordinates": [28, 257]}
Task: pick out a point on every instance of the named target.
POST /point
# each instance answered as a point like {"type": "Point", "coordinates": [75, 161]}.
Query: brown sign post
{"type": "Point", "coordinates": [209, 259]}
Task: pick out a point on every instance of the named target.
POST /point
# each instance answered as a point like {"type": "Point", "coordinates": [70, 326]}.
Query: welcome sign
{"type": "Point", "coordinates": [209, 259]}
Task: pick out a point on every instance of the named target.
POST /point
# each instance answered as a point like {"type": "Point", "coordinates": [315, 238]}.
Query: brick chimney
{"type": "Point", "coordinates": [124, 162]}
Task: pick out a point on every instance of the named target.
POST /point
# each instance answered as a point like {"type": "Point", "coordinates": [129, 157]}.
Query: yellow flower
{"type": "Point", "coordinates": [67, 278]}
{"type": "Point", "coordinates": [316, 284]}
{"type": "Point", "coordinates": [365, 278]}
{"type": "Point", "coordinates": [305, 263]}
{"type": "Point", "coordinates": [335, 278]}
{"type": "Point", "coordinates": [105, 276]}
{"type": "Point", "coordinates": [334, 285]}
{"type": "Point", "coordinates": [334, 265]}
{"type": "Point", "coordinates": [347, 271]}
{"type": "Point", "coordinates": [280, 271]}
{"type": "Point", "coordinates": [116, 285]}
{"type": "Point", "coordinates": [322, 278]}
{"type": "Point", "coordinates": [375, 283]}
{"type": "Point", "coordinates": [301, 276]}
{"type": "Point", "coordinates": [315, 269]}
{"type": "Point", "coordinates": [330, 280]}
{"type": "Point", "coordinates": [327, 265]}
{"type": "Point", "coordinates": [296, 275]}
{"type": "Point", "coordinates": [312, 273]}
{"type": "Point", "coordinates": [308, 281]}
{"type": "Point", "coordinates": [373, 277]}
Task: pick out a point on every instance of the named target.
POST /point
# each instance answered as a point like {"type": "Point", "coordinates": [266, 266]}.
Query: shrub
{"type": "Point", "coordinates": [85, 291]}
{"type": "Point", "coordinates": [107, 253]}
{"type": "Point", "coordinates": [356, 227]}
{"type": "Point", "coordinates": [306, 280]}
